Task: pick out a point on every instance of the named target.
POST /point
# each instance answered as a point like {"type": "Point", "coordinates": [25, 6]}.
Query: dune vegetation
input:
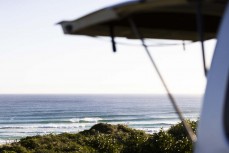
{"type": "Point", "coordinates": [106, 138]}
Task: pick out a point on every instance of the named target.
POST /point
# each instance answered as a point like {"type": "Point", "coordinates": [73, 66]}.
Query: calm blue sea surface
{"type": "Point", "coordinates": [27, 115]}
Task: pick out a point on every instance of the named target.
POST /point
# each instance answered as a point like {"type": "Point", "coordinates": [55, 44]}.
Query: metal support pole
{"type": "Point", "coordinates": [183, 44]}
{"type": "Point", "coordinates": [200, 29]}
{"type": "Point", "coordinates": [113, 38]}
{"type": "Point", "coordinates": [189, 130]}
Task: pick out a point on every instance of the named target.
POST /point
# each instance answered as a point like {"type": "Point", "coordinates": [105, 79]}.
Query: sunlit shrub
{"type": "Point", "coordinates": [106, 138]}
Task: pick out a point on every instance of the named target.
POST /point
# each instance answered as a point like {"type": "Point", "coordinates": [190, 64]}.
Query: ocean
{"type": "Point", "coordinates": [29, 115]}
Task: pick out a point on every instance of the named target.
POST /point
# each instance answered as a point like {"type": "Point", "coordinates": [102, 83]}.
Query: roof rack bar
{"type": "Point", "coordinates": [189, 130]}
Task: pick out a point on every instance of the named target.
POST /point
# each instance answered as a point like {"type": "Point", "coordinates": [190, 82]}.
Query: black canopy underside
{"type": "Point", "coordinates": [158, 19]}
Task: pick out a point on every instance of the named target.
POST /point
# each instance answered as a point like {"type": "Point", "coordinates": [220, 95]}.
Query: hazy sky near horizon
{"type": "Point", "coordinates": [36, 57]}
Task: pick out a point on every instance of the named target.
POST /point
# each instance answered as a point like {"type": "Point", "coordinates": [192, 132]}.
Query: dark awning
{"type": "Point", "coordinates": [161, 19]}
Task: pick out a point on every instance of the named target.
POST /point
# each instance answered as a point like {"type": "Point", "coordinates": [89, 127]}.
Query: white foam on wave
{"type": "Point", "coordinates": [85, 119]}
{"type": "Point", "coordinates": [20, 131]}
{"type": "Point", "coordinates": [42, 126]}
{"type": "Point", "coordinates": [74, 120]}
{"type": "Point", "coordinates": [153, 122]}
{"type": "Point", "coordinates": [151, 130]}
{"type": "Point", "coordinates": [5, 141]}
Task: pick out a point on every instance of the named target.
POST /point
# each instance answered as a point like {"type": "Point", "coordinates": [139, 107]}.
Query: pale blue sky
{"type": "Point", "coordinates": [36, 57]}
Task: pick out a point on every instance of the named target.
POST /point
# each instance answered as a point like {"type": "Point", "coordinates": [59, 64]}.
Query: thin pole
{"type": "Point", "coordinates": [200, 28]}
{"type": "Point", "coordinates": [113, 38]}
{"type": "Point", "coordinates": [189, 130]}
{"type": "Point", "coordinates": [183, 44]}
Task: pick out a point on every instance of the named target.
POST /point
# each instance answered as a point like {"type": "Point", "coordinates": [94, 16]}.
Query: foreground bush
{"type": "Point", "coordinates": [174, 140]}
{"type": "Point", "coordinates": [106, 138]}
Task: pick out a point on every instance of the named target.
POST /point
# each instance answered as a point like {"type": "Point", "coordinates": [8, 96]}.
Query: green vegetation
{"type": "Point", "coordinates": [106, 138]}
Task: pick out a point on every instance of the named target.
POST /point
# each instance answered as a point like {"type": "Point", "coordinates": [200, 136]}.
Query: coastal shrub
{"type": "Point", "coordinates": [14, 149]}
{"type": "Point", "coordinates": [160, 142]}
{"type": "Point", "coordinates": [178, 131]}
{"type": "Point", "coordinates": [134, 141]}
{"type": "Point", "coordinates": [174, 140]}
{"type": "Point", "coordinates": [106, 138]}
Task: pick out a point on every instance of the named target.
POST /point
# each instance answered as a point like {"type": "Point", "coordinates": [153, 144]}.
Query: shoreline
{"type": "Point", "coordinates": [107, 138]}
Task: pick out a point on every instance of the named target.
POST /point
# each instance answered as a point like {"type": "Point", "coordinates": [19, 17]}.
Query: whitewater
{"type": "Point", "coordinates": [29, 115]}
